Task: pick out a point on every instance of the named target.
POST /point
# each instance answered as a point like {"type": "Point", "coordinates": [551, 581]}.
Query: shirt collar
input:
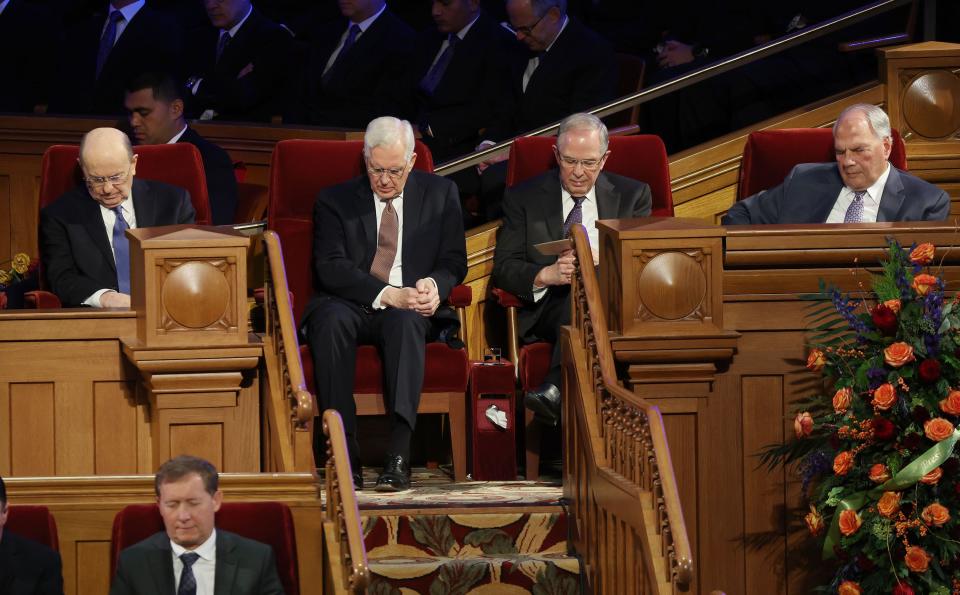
{"type": "Point", "coordinates": [206, 550]}
{"type": "Point", "coordinates": [3, 5]}
{"type": "Point", "coordinates": [590, 196]}
{"type": "Point", "coordinates": [463, 32]}
{"type": "Point", "coordinates": [559, 33]}
{"type": "Point", "coordinates": [129, 11]}
{"type": "Point", "coordinates": [365, 24]}
{"type": "Point", "coordinates": [176, 137]}
{"type": "Point", "coordinates": [233, 30]}
{"type": "Point", "coordinates": [875, 191]}
{"type": "Point", "coordinates": [126, 206]}
{"type": "Point", "coordinates": [379, 200]}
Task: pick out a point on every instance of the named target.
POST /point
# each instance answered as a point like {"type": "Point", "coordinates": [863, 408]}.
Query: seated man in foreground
{"type": "Point", "coordinates": [26, 567]}
{"type": "Point", "coordinates": [388, 248]}
{"type": "Point", "coordinates": [85, 252]}
{"type": "Point", "coordinates": [862, 187]}
{"type": "Point", "coordinates": [543, 209]}
{"type": "Point", "coordinates": [192, 557]}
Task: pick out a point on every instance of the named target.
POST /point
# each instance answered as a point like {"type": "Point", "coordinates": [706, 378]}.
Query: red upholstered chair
{"type": "Point", "coordinates": [642, 157]}
{"type": "Point", "coordinates": [769, 155]}
{"type": "Point", "coordinates": [34, 523]}
{"type": "Point", "coordinates": [267, 522]}
{"type": "Point", "coordinates": [300, 169]}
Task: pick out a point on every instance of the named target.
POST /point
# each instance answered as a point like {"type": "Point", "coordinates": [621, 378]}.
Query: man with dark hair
{"type": "Point", "coordinates": [155, 109]}
{"type": "Point", "coordinates": [26, 567]}
{"type": "Point", "coordinates": [191, 556]}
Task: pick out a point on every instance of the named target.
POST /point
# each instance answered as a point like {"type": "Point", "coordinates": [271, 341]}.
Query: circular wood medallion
{"type": "Point", "coordinates": [672, 285]}
{"type": "Point", "coordinates": [195, 294]}
{"type": "Point", "coordinates": [931, 104]}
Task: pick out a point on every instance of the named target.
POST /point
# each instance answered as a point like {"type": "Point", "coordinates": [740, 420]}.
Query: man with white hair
{"type": "Point", "coordinates": [543, 209]}
{"type": "Point", "coordinates": [863, 187]}
{"type": "Point", "coordinates": [388, 249]}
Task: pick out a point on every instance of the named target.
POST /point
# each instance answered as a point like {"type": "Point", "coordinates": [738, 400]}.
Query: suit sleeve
{"type": "Point", "coordinates": [185, 211]}
{"type": "Point", "coordinates": [643, 202]}
{"type": "Point", "coordinates": [939, 209]}
{"type": "Point", "coordinates": [121, 584]}
{"type": "Point", "coordinates": [269, 579]}
{"type": "Point", "coordinates": [511, 269]}
{"type": "Point", "coordinates": [763, 207]}
{"type": "Point", "coordinates": [222, 187]}
{"type": "Point", "coordinates": [60, 268]}
{"type": "Point", "coordinates": [51, 582]}
{"type": "Point", "coordinates": [451, 262]}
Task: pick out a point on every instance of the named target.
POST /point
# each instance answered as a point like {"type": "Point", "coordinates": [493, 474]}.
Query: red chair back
{"type": "Point", "coordinates": [34, 523]}
{"type": "Point", "coordinates": [267, 522]}
{"type": "Point", "coordinates": [641, 157]}
{"type": "Point", "coordinates": [178, 164]}
{"type": "Point", "coordinates": [299, 170]}
{"type": "Point", "coordinates": [769, 155]}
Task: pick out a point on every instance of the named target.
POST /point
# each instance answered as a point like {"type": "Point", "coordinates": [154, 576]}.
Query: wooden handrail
{"type": "Point", "coordinates": [341, 508]}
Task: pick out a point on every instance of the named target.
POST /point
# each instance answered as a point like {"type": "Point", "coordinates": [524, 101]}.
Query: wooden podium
{"type": "Point", "coordinates": [192, 349]}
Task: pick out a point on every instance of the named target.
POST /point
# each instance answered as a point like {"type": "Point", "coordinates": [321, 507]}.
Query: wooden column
{"type": "Point", "coordinates": [923, 90]}
{"type": "Point", "coordinates": [195, 357]}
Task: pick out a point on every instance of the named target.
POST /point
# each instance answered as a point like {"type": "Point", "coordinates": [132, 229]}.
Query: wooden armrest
{"type": "Point", "coordinates": [41, 299]}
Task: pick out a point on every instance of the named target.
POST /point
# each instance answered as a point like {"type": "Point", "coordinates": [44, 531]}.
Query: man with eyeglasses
{"type": "Point", "coordinates": [84, 250]}
{"type": "Point", "coordinates": [388, 249]}
{"type": "Point", "coordinates": [543, 209]}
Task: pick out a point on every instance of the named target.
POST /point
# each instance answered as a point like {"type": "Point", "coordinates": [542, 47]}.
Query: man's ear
{"type": "Point", "coordinates": [217, 500]}
{"type": "Point", "coordinates": [176, 108]}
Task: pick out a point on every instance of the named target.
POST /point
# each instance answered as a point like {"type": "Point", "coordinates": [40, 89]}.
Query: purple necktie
{"type": "Point", "coordinates": [222, 43]}
{"type": "Point", "coordinates": [121, 251]}
{"type": "Point", "coordinates": [347, 44]}
{"type": "Point", "coordinates": [576, 215]}
{"type": "Point", "coordinates": [855, 210]}
{"type": "Point", "coordinates": [188, 582]}
{"type": "Point", "coordinates": [107, 39]}
{"type": "Point", "coordinates": [430, 82]}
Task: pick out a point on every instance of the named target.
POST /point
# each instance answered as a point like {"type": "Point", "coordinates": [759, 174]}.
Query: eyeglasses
{"type": "Point", "coordinates": [528, 30]}
{"type": "Point", "coordinates": [394, 173]}
{"type": "Point", "coordinates": [98, 181]}
{"type": "Point", "coordinates": [587, 164]}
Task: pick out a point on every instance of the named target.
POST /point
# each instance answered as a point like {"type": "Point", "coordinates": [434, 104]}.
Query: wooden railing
{"type": "Point", "coordinates": [289, 408]}
{"type": "Point", "coordinates": [629, 525]}
{"type": "Point", "coordinates": [346, 559]}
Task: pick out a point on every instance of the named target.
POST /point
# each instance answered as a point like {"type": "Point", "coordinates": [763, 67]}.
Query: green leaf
{"type": "Point", "coordinates": [434, 532]}
{"type": "Point", "coordinates": [457, 577]}
{"type": "Point", "coordinates": [491, 541]}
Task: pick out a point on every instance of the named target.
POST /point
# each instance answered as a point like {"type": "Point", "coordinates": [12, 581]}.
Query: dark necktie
{"type": "Point", "coordinates": [855, 210]}
{"type": "Point", "coordinates": [188, 582]}
{"type": "Point", "coordinates": [386, 243]}
{"type": "Point", "coordinates": [430, 82]}
{"type": "Point", "coordinates": [576, 215]}
{"type": "Point", "coordinates": [121, 251]}
{"type": "Point", "coordinates": [107, 39]}
{"type": "Point", "coordinates": [223, 43]}
{"type": "Point", "coordinates": [347, 44]}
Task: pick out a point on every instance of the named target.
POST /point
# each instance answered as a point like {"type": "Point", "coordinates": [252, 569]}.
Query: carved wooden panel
{"type": "Point", "coordinates": [923, 90]}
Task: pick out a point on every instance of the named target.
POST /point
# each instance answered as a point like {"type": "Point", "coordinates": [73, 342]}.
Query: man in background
{"type": "Point", "coordinates": [26, 567]}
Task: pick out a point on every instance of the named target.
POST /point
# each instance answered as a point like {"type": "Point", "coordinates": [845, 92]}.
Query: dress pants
{"type": "Point", "coordinates": [555, 313]}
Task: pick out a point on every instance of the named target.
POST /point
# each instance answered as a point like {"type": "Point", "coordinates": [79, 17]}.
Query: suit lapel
{"type": "Point", "coordinates": [608, 199]}
{"type": "Point", "coordinates": [412, 205]}
{"type": "Point", "coordinates": [829, 189]}
{"type": "Point", "coordinates": [368, 218]}
{"type": "Point", "coordinates": [552, 203]}
{"type": "Point", "coordinates": [891, 201]}
{"type": "Point", "coordinates": [93, 222]}
{"type": "Point", "coordinates": [161, 563]}
{"type": "Point", "coordinates": [225, 573]}
{"type": "Point", "coordinates": [144, 208]}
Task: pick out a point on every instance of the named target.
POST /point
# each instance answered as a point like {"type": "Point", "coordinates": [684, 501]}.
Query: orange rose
{"type": "Point", "coordinates": [898, 354]}
{"type": "Point", "coordinates": [816, 360]}
{"type": "Point", "coordinates": [889, 504]}
{"type": "Point", "coordinates": [803, 424]}
{"type": "Point", "coordinates": [893, 305]}
{"type": "Point", "coordinates": [917, 559]}
{"type": "Point", "coordinates": [849, 588]}
{"type": "Point", "coordinates": [937, 429]}
{"type": "Point", "coordinates": [849, 522]}
{"type": "Point", "coordinates": [879, 473]}
{"type": "Point", "coordinates": [843, 462]}
{"type": "Point", "coordinates": [841, 400]}
{"type": "Point", "coordinates": [884, 397]}
{"type": "Point", "coordinates": [814, 522]}
{"type": "Point", "coordinates": [935, 515]}
{"type": "Point", "coordinates": [923, 283]}
{"type": "Point", "coordinates": [922, 254]}
{"type": "Point", "coordinates": [951, 405]}
{"type": "Point", "coordinates": [933, 477]}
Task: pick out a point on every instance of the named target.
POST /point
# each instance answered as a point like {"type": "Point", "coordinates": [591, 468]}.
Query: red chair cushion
{"type": "Point", "coordinates": [178, 164]}
{"type": "Point", "coordinates": [34, 523]}
{"type": "Point", "coordinates": [267, 522]}
{"type": "Point", "coordinates": [641, 157]}
{"type": "Point", "coordinates": [769, 155]}
{"type": "Point", "coordinates": [534, 363]}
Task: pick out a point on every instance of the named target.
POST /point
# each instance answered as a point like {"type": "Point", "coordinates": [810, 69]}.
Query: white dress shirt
{"type": "Point", "coordinates": [871, 201]}
{"type": "Point", "coordinates": [232, 31]}
{"type": "Point", "coordinates": [204, 569]}
{"type": "Point", "coordinates": [128, 12]}
{"type": "Point", "coordinates": [364, 25]}
{"type": "Point", "coordinates": [446, 41]}
{"type": "Point", "coordinates": [590, 214]}
{"type": "Point", "coordinates": [534, 62]}
{"type": "Point", "coordinates": [109, 219]}
{"type": "Point", "coordinates": [176, 137]}
{"type": "Point", "coordinates": [396, 271]}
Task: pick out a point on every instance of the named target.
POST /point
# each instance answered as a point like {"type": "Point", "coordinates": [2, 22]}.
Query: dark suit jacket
{"type": "Point", "coordinates": [475, 90]}
{"type": "Point", "coordinates": [255, 96]}
{"type": "Point", "coordinates": [533, 213]}
{"type": "Point", "coordinates": [151, 42]}
{"type": "Point", "coordinates": [221, 181]}
{"type": "Point", "coordinates": [75, 251]}
{"type": "Point", "coordinates": [243, 567]}
{"type": "Point", "coordinates": [27, 39]}
{"type": "Point", "coordinates": [810, 190]}
{"type": "Point", "coordinates": [28, 568]}
{"type": "Point", "coordinates": [366, 82]}
{"type": "Point", "coordinates": [578, 73]}
{"type": "Point", "coordinates": [345, 240]}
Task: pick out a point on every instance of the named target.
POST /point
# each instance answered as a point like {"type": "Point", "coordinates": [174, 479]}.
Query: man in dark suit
{"type": "Point", "coordinates": [243, 64]}
{"type": "Point", "coordinates": [192, 556]}
{"type": "Point", "coordinates": [102, 52]}
{"type": "Point", "coordinates": [355, 68]}
{"type": "Point", "coordinates": [84, 249]}
{"type": "Point", "coordinates": [862, 187]}
{"type": "Point", "coordinates": [154, 107]}
{"type": "Point", "coordinates": [543, 209]}
{"type": "Point", "coordinates": [388, 249]}
{"type": "Point", "coordinates": [27, 39]}
{"type": "Point", "coordinates": [26, 567]}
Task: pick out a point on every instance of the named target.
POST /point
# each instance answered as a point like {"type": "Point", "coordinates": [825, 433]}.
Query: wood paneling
{"type": "Point", "coordinates": [32, 449]}
{"type": "Point", "coordinates": [114, 428]}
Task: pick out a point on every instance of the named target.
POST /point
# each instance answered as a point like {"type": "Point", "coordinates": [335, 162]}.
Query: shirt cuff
{"type": "Point", "coordinates": [94, 300]}
{"type": "Point", "coordinates": [538, 293]}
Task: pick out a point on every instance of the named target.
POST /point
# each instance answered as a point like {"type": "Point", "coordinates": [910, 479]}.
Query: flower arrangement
{"type": "Point", "coordinates": [876, 449]}
{"type": "Point", "coordinates": [19, 267]}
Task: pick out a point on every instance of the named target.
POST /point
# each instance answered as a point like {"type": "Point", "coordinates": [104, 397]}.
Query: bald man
{"type": "Point", "coordinates": [83, 245]}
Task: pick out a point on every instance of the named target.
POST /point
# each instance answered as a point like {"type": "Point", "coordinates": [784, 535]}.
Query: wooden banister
{"type": "Point", "coordinates": [346, 557]}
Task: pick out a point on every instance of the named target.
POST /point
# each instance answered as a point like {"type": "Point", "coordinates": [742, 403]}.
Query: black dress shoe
{"type": "Point", "coordinates": [358, 480]}
{"type": "Point", "coordinates": [544, 401]}
{"type": "Point", "coordinates": [395, 476]}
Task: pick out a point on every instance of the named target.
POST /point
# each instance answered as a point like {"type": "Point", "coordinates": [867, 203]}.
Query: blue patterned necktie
{"type": "Point", "coordinates": [347, 44]}
{"type": "Point", "coordinates": [430, 82]}
{"type": "Point", "coordinates": [188, 582]}
{"type": "Point", "coordinates": [855, 210]}
{"type": "Point", "coordinates": [107, 40]}
{"type": "Point", "coordinates": [121, 251]}
{"type": "Point", "coordinates": [222, 43]}
{"type": "Point", "coordinates": [576, 215]}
